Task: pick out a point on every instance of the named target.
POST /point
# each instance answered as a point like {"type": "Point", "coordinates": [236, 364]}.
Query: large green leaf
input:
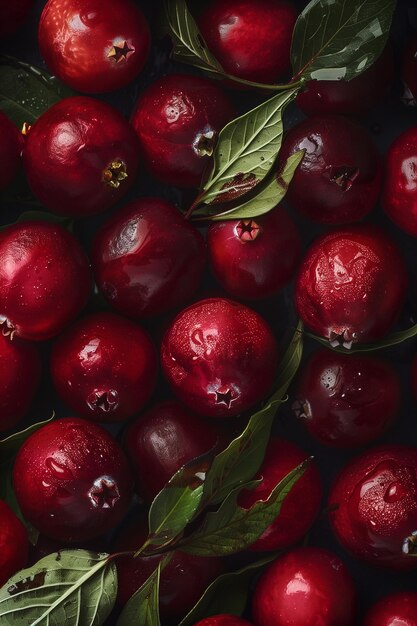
{"type": "Point", "coordinates": [143, 607]}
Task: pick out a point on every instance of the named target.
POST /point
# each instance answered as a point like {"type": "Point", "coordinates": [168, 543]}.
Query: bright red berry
{"type": "Point", "coordinates": [398, 609]}
{"type": "Point", "coordinates": [223, 620]}
{"type": "Point", "coordinates": [13, 14]}
{"type": "Point", "coordinates": [10, 149]}
{"type": "Point", "coordinates": [81, 156]}
{"type": "Point", "coordinates": [177, 120]}
{"type": "Point", "coordinates": [92, 47]}
{"type": "Point", "coordinates": [351, 285]}
{"type": "Point", "coordinates": [72, 480]}
{"type": "Point", "coordinates": [104, 367]}
{"type": "Point", "coordinates": [409, 73]}
{"type": "Point", "coordinates": [220, 357]}
{"type": "Point", "coordinates": [14, 544]}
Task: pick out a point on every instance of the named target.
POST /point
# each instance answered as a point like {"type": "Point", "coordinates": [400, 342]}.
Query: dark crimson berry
{"type": "Point", "coordinates": [81, 156]}
{"type": "Point", "coordinates": [72, 480]}
{"type": "Point", "coordinates": [251, 38]}
{"type": "Point", "coordinates": [409, 73]}
{"type": "Point", "coordinates": [346, 400]}
{"type": "Point", "coordinates": [92, 47]}
{"type": "Point", "coordinates": [104, 367]}
{"type": "Point", "coordinates": [373, 506]}
{"type": "Point", "coordinates": [13, 14]}
{"type": "Point", "coordinates": [161, 441]}
{"type": "Point", "coordinates": [351, 285]}
{"type": "Point", "coordinates": [299, 509]}
{"type": "Point", "coordinates": [45, 279]}
{"type": "Point", "coordinates": [397, 609]}
{"type": "Point", "coordinates": [177, 120]}
{"type": "Point", "coordinates": [304, 587]}
{"type": "Point", "coordinates": [148, 259]}
{"type": "Point", "coordinates": [220, 357]}
{"type": "Point", "coordinates": [223, 620]}
{"type": "Point", "coordinates": [339, 178]}
{"type": "Point", "coordinates": [254, 258]}
{"type": "Point", "coordinates": [14, 544]}
{"type": "Point", "coordinates": [10, 149]}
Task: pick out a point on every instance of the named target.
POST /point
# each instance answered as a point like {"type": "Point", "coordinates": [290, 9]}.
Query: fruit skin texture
{"type": "Point", "coordinates": [10, 150]}
{"type": "Point", "coordinates": [13, 14]}
{"type": "Point", "coordinates": [346, 401]}
{"type": "Point", "coordinates": [300, 508]}
{"type": "Point", "coordinates": [162, 440]}
{"type": "Point", "coordinates": [77, 156]}
{"type": "Point", "coordinates": [250, 38]}
{"type": "Point", "coordinates": [91, 47]}
{"type": "Point", "coordinates": [177, 120]}
{"type": "Point", "coordinates": [351, 285]}
{"type": "Point", "coordinates": [398, 609]}
{"type": "Point", "coordinates": [373, 505]}
{"type": "Point", "coordinates": [219, 357]}
{"type": "Point", "coordinates": [45, 279]}
{"type": "Point", "coordinates": [104, 367]}
{"type": "Point", "coordinates": [148, 259]}
{"type": "Point", "coordinates": [254, 258]}
{"type": "Point", "coordinates": [223, 620]}
{"type": "Point", "coordinates": [305, 586]}
{"type": "Point", "coordinates": [72, 480]}
{"type": "Point", "coordinates": [409, 73]}
{"type": "Point", "coordinates": [14, 544]}
{"type": "Point", "coordinates": [339, 178]}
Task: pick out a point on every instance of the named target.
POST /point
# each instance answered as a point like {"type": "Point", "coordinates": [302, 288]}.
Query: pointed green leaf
{"type": "Point", "coordinates": [10, 445]}
{"type": "Point", "coordinates": [391, 340]}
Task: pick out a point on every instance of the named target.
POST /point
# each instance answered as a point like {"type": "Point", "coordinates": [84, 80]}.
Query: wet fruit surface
{"type": "Point", "coordinates": [399, 609]}
{"type": "Point", "coordinates": [223, 620]}
{"type": "Point", "coordinates": [14, 544]}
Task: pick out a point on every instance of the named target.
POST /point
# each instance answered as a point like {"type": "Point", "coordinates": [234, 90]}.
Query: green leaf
{"type": "Point", "coordinates": [63, 589]}
{"type": "Point", "coordinates": [10, 445]}
{"type": "Point", "coordinates": [336, 39]}
{"type": "Point", "coordinates": [392, 340]}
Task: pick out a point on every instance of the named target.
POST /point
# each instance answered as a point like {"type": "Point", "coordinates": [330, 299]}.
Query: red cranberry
{"type": "Point", "coordinates": [81, 157]}
{"type": "Point", "coordinates": [397, 609]}
{"type": "Point", "coordinates": [161, 441]}
{"type": "Point", "coordinates": [177, 121]}
{"type": "Point", "coordinates": [373, 506]}
{"type": "Point", "coordinates": [351, 285]}
{"type": "Point", "coordinates": [305, 586]}
{"type": "Point", "coordinates": [346, 400]}
{"type": "Point", "coordinates": [13, 14]}
{"type": "Point", "coordinates": [14, 544]}
{"type": "Point", "coordinates": [92, 47]}
{"type": "Point", "coordinates": [223, 620]}
{"type": "Point", "coordinates": [409, 73]}
{"type": "Point", "coordinates": [45, 279]}
{"type": "Point", "coordinates": [254, 258]}
{"type": "Point", "coordinates": [339, 178]}
{"type": "Point", "coordinates": [251, 38]}
{"type": "Point", "coordinates": [220, 357]}
{"type": "Point", "coordinates": [148, 259]}
{"type": "Point", "coordinates": [10, 150]}
{"type": "Point", "coordinates": [300, 508]}
{"type": "Point", "coordinates": [72, 480]}
{"type": "Point", "coordinates": [104, 367]}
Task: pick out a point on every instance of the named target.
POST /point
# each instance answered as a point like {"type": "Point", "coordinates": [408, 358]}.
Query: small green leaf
{"type": "Point", "coordinates": [392, 340]}
{"type": "Point", "coordinates": [10, 445]}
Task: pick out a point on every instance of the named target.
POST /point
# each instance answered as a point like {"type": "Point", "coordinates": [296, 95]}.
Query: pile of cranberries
{"type": "Point", "coordinates": [154, 337]}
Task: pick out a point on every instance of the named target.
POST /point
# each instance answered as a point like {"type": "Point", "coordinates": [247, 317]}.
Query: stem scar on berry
{"type": "Point", "coordinates": [115, 173]}
{"type": "Point", "coordinates": [120, 51]}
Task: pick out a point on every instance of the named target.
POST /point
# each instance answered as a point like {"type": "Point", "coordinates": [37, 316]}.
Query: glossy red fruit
{"type": "Point", "coordinates": [104, 367]}
{"type": "Point", "coordinates": [373, 506]}
{"type": "Point", "coordinates": [14, 544]}
{"type": "Point", "coordinates": [10, 149]}
{"type": "Point", "coordinates": [13, 14]}
{"type": "Point", "coordinates": [45, 279]}
{"type": "Point", "coordinates": [351, 285]}
{"type": "Point", "coordinates": [305, 586]}
{"type": "Point", "coordinates": [148, 259]}
{"type": "Point", "coordinates": [339, 178]}
{"type": "Point", "coordinates": [250, 38]}
{"type": "Point", "coordinates": [299, 509]}
{"type": "Point", "coordinates": [161, 441]}
{"type": "Point", "coordinates": [72, 480]}
{"type": "Point", "coordinates": [254, 258]}
{"type": "Point", "coordinates": [220, 357]}
{"type": "Point", "coordinates": [409, 73]}
{"type": "Point", "coordinates": [223, 620]}
{"type": "Point", "coordinates": [81, 157]}
{"type": "Point", "coordinates": [92, 47]}
{"type": "Point", "coordinates": [397, 609]}
{"type": "Point", "coordinates": [177, 120]}
{"type": "Point", "coordinates": [346, 400]}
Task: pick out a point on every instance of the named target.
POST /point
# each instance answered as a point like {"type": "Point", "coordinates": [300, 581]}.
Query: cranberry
{"type": "Point", "coordinates": [10, 150]}
{"type": "Point", "coordinates": [251, 38]}
{"type": "Point", "coordinates": [254, 258]}
{"type": "Point", "coordinates": [92, 47]}
{"type": "Point", "coordinates": [347, 400]}
{"type": "Point", "coordinates": [177, 120]}
{"type": "Point", "coordinates": [104, 367]}
{"type": "Point", "coordinates": [339, 178]}
{"type": "Point", "coordinates": [13, 14]}
{"type": "Point", "coordinates": [148, 259]}
{"type": "Point", "coordinates": [305, 586]}
{"type": "Point", "coordinates": [14, 544]}
{"type": "Point", "coordinates": [220, 357]}
{"type": "Point", "coordinates": [409, 73]}
{"type": "Point", "coordinates": [351, 285]}
{"type": "Point", "coordinates": [161, 441]}
{"type": "Point", "coordinates": [223, 620]}
{"type": "Point", "coordinates": [81, 157]}
{"type": "Point", "coordinates": [373, 506]}
{"type": "Point", "coordinates": [72, 480]}
{"type": "Point", "coordinates": [398, 609]}
{"type": "Point", "coordinates": [45, 279]}
{"type": "Point", "coordinates": [300, 508]}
